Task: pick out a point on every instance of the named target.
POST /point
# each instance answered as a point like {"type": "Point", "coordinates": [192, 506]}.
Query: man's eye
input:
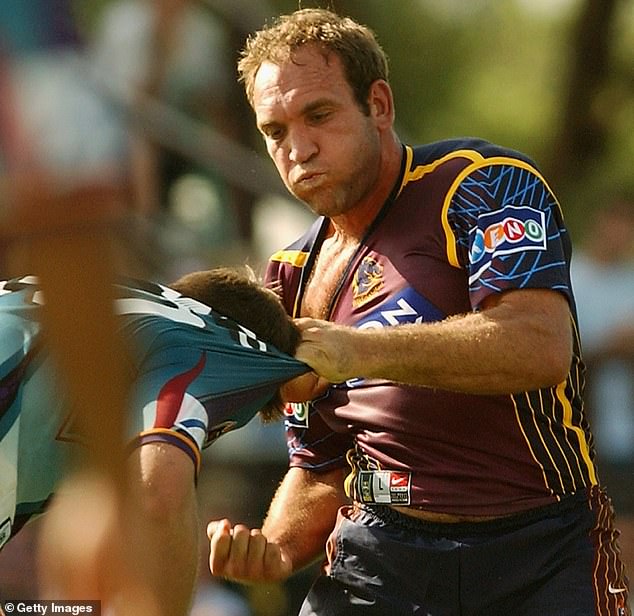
{"type": "Point", "coordinates": [319, 116]}
{"type": "Point", "coordinates": [275, 134]}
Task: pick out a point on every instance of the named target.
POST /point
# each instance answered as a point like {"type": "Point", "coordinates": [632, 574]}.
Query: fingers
{"type": "Point", "coordinates": [273, 558]}
{"type": "Point", "coordinates": [329, 349]}
{"type": "Point", "coordinates": [304, 323]}
{"type": "Point", "coordinates": [241, 562]}
{"type": "Point", "coordinates": [309, 355]}
{"type": "Point", "coordinates": [219, 533]}
{"type": "Point", "coordinates": [242, 554]}
{"type": "Point", "coordinates": [215, 524]}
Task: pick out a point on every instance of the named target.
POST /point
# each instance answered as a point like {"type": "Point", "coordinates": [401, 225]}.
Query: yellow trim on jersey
{"type": "Point", "coordinates": [409, 155]}
{"type": "Point", "coordinates": [412, 175]}
{"type": "Point", "coordinates": [565, 457]}
{"type": "Point", "coordinates": [180, 437]}
{"type": "Point", "coordinates": [567, 419]}
{"type": "Point", "coordinates": [297, 258]}
{"type": "Point", "coordinates": [452, 252]}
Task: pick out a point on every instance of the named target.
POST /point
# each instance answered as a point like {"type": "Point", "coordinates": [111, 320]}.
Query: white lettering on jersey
{"type": "Point", "coordinates": [395, 316]}
{"type": "Point", "coordinates": [248, 339]}
{"type": "Point", "coordinates": [178, 313]}
{"type": "Point", "coordinates": [186, 311]}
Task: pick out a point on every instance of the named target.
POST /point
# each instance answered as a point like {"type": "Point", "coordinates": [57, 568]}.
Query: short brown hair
{"type": "Point", "coordinates": [363, 59]}
{"type": "Point", "coordinates": [236, 293]}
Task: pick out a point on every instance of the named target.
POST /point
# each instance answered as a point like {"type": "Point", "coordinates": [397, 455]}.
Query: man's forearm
{"type": "Point", "coordinates": [521, 343]}
{"type": "Point", "coordinates": [303, 513]}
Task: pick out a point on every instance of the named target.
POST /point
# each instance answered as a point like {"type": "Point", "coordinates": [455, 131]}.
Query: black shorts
{"type": "Point", "coordinates": [558, 560]}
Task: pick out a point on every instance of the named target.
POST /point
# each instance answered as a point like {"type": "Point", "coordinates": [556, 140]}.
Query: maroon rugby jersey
{"type": "Point", "coordinates": [465, 219]}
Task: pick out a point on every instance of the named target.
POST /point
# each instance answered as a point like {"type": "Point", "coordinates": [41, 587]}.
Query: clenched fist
{"type": "Point", "coordinates": [245, 555]}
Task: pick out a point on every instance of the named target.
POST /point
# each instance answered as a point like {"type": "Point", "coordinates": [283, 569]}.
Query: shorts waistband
{"type": "Point", "coordinates": [388, 515]}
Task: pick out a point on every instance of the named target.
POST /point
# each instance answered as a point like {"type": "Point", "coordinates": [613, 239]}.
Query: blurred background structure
{"type": "Point", "coordinates": [141, 95]}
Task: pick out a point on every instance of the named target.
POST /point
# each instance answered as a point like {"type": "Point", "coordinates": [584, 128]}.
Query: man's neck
{"type": "Point", "coordinates": [355, 222]}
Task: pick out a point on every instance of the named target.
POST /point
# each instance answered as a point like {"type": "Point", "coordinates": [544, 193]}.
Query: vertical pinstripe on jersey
{"type": "Point", "coordinates": [552, 421]}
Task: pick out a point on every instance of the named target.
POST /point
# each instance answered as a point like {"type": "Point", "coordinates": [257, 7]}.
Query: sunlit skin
{"type": "Point", "coordinates": [331, 155]}
{"type": "Point", "coordinates": [341, 162]}
{"type": "Point", "coordinates": [304, 387]}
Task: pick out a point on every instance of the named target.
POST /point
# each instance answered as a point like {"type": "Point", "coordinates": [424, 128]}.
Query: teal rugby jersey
{"type": "Point", "coordinates": [465, 219]}
{"type": "Point", "coordinates": [196, 375]}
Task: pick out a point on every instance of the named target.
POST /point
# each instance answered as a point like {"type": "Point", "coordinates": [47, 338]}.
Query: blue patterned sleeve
{"type": "Point", "coordinates": [509, 230]}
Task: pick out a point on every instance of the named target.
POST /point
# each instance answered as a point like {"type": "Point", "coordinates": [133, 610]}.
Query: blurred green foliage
{"type": "Point", "coordinates": [498, 69]}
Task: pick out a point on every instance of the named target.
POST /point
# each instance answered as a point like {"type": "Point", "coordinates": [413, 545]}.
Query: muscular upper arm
{"type": "Point", "coordinates": [542, 314]}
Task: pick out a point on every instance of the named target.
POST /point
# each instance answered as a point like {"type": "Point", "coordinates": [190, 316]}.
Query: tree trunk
{"type": "Point", "coordinates": [581, 138]}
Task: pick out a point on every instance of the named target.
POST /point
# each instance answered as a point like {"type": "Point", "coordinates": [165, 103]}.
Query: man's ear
{"type": "Point", "coordinates": [381, 103]}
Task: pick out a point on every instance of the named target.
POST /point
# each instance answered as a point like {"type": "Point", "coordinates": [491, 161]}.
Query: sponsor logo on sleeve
{"type": "Point", "coordinates": [512, 229]}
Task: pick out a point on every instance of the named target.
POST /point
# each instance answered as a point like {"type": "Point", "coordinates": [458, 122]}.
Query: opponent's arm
{"type": "Point", "coordinates": [138, 554]}
{"type": "Point", "coordinates": [520, 341]}
{"type": "Point", "coordinates": [300, 518]}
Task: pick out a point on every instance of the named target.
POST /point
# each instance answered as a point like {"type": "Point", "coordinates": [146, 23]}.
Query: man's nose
{"type": "Point", "coordinates": [302, 146]}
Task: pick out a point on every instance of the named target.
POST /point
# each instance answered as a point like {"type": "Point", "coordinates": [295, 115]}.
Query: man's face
{"type": "Point", "coordinates": [326, 150]}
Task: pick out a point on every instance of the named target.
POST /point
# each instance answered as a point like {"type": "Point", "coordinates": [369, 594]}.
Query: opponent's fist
{"type": "Point", "coordinates": [245, 555]}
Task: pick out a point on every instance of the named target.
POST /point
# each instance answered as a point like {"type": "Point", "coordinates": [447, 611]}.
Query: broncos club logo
{"type": "Point", "coordinates": [368, 281]}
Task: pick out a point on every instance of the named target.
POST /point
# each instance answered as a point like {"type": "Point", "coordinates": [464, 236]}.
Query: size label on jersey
{"type": "Point", "coordinates": [384, 487]}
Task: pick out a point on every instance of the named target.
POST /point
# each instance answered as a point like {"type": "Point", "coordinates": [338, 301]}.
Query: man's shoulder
{"type": "Point", "coordinates": [297, 251]}
{"type": "Point", "coordinates": [470, 147]}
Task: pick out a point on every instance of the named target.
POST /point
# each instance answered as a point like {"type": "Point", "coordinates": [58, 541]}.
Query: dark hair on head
{"type": "Point", "coordinates": [236, 293]}
{"type": "Point", "coordinates": [363, 59]}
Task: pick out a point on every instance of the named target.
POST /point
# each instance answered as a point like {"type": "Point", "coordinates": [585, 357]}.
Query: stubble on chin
{"type": "Point", "coordinates": [324, 202]}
